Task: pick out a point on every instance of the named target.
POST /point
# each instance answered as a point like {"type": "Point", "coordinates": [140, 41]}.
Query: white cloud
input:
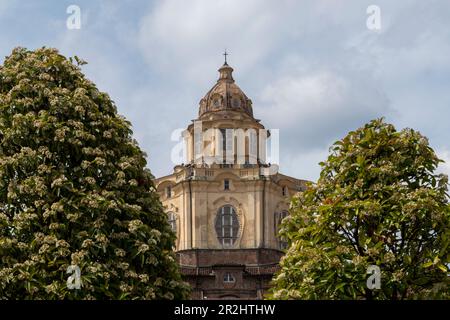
{"type": "Point", "coordinates": [4, 6]}
{"type": "Point", "coordinates": [303, 164]}
{"type": "Point", "coordinates": [444, 154]}
{"type": "Point", "coordinates": [317, 105]}
{"type": "Point", "coordinates": [189, 36]}
{"type": "Point", "coordinates": [312, 68]}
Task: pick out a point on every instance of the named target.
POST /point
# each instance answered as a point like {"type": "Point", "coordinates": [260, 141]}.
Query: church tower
{"type": "Point", "coordinates": [225, 204]}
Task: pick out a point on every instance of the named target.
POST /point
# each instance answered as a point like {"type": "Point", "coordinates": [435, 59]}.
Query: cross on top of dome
{"type": "Point", "coordinates": [226, 72]}
{"type": "Point", "coordinates": [225, 54]}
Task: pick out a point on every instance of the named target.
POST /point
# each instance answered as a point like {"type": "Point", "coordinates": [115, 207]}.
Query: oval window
{"type": "Point", "coordinates": [227, 225]}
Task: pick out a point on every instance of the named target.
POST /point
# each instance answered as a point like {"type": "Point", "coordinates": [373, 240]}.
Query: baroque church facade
{"type": "Point", "coordinates": [225, 204]}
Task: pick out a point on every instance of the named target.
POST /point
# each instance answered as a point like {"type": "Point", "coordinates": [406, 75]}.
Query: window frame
{"type": "Point", "coordinates": [172, 219]}
{"type": "Point", "coordinates": [227, 145]}
{"type": "Point", "coordinates": [227, 225]}
{"type": "Point", "coordinates": [228, 278]}
{"type": "Point", "coordinates": [279, 216]}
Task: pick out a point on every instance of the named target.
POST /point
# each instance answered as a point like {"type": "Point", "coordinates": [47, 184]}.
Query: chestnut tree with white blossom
{"type": "Point", "coordinates": [75, 190]}
{"type": "Point", "coordinates": [378, 202]}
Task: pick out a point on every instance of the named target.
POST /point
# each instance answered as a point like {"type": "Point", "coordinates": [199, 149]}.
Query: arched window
{"type": "Point", "coordinates": [172, 221]}
{"type": "Point", "coordinates": [227, 225]}
{"type": "Point", "coordinates": [279, 216]}
{"type": "Point", "coordinates": [226, 136]}
{"type": "Point", "coordinates": [228, 278]}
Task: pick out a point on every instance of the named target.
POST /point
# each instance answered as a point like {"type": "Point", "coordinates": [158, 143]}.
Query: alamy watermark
{"type": "Point", "coordinates": [74, 280]}
{"type": "Point", "coordinates": [373, 21]}
{"type": "Point", "coordinates": [374, 280]}
{"type": "Point", "coordinates": [74, 20]}
{"type": "Point", "coordinates": [227, 146]}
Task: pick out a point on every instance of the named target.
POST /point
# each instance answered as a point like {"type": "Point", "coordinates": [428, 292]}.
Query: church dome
{"type": "Point", "coordinates": [225, 95]}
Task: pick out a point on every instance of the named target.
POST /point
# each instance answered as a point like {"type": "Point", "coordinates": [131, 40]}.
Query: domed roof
{"type": "Point", "coordinates": [225, 95]}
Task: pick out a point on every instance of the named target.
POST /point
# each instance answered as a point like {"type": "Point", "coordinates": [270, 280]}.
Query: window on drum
{"type": "Point", "coordinates": [227, 226]}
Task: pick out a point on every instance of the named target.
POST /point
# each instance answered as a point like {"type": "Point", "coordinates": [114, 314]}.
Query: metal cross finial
{"type": "Point", "coordinates": [225, 55]}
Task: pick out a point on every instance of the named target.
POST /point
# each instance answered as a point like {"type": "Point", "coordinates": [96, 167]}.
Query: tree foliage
{"type": "Point", "coordinates": [74, 190]}
{"type": "Point", "coordinates": [377, 202]}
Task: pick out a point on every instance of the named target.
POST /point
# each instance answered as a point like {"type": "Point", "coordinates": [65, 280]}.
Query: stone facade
{"type": "Point", "coordinates": [226, 203]}
{"type": "Point", "coordinates": [251, 269]}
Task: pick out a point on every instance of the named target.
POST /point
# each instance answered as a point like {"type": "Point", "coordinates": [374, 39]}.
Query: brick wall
{"type": "Point", "coordinates": [251, 269]}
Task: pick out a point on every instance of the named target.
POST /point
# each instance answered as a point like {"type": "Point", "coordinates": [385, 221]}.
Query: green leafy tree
{"type": "Point", "coordinates": [377, 202]}
{"type": "Point", "coordinates": [74, 190]}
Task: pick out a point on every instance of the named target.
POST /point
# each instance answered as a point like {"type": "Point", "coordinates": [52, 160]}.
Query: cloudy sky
{"type": "Point", "coordinates": [313, 69]}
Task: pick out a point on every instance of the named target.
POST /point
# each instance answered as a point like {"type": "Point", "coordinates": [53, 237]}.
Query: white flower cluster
{"type": "Point", "coordinates": [44, 169]}
{"type": "Point", "coordinates": [79, 93]}
{"type": "Point", "coordinates": [57, 206]}
{"type": "Point", "coordinates": [50, 239]}
{"type": "Point", "coordinates": [54, 100]}
{"type": "Point", "coordinates": [102, 239]}
{"type": "Point", "coordinates": [73, 217]}
{"type": "Point", "coordinates": [120, 235]}
{"type": "Point", "coordinates": [78, 257]}
{"type": "Point", "coordinates": [52, 288]}
{"type": "Point", "coordinates": [59, 182]}
{"type": "Point", "coordinates": [143, 248]}
{"type": "Point", "coordinates": [124, 165]}
{"type": "Point", "coordinates": [100, 161]}
{"type": "Point", "coordinates": [120, 252]}
{"type": "Point", "coordinates": [89, 180]}
{"type": "Point", "coordinates": [92, 151]}
{"type": "Point", "coordinates": [55, 226]}
{"type": "Point", "coordinates": [134, 225]}
{"type": "Point", "coordinates": [38, 123]}
{"type": "Point", "coordinates": [131, 274]}
{"type": "Point", "coordinates": [125, 288]}
{"type": "Point", "coordinates": [107, 134]}
{"type": "Point", "coordinates": [79, 109]}
{"type": "Point", "coordinates": [44, 248]}
{"type": "Point", "coordinates": [60, 134]}
{"type": "Point", "coordinates": [85, 164]}
{"type": "Point", "coordinates": [7, 243]}
{"type": "Point", "coordinates": [133, 182]}
{"type": "Point", "coordinates": [87, 243]}
{"type": "Point", "coordinates": [45, 152]}
{"type": "Point", "coordinates": [62, 244]}
{"type": "Point", "coordinates": [144, 278]}
{"type": "Point", "coordinates": [123, 265]}
{"type": "Point", "coordinates": [7, 274]}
